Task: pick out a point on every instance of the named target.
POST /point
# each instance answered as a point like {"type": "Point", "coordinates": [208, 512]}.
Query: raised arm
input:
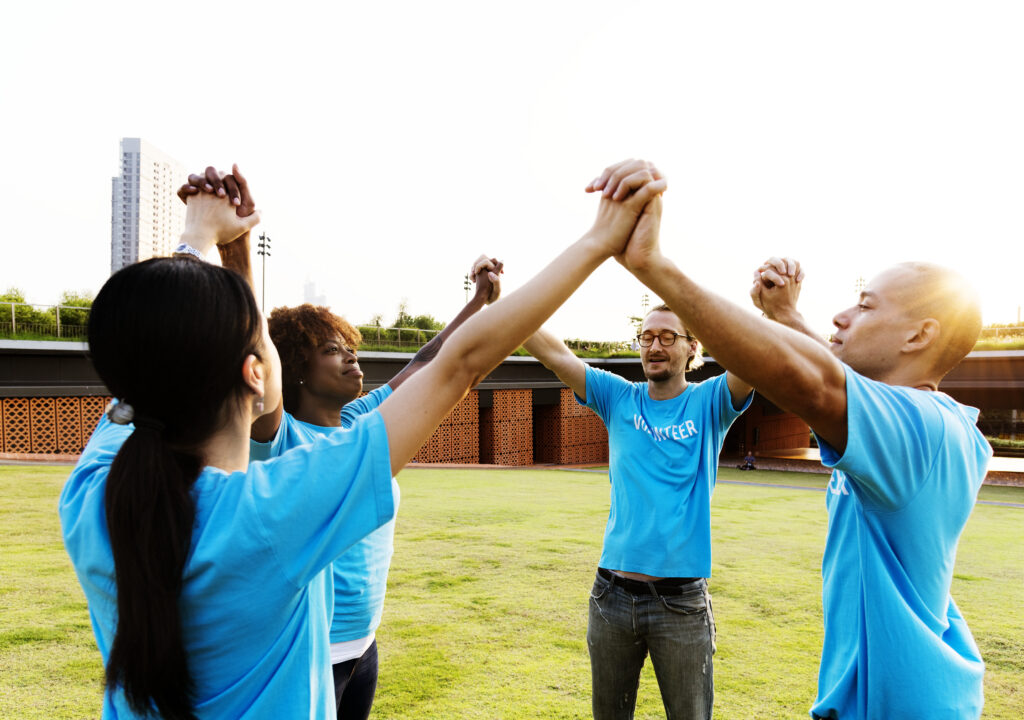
{"type": "Point", "coordinates": [559, 359]}
{"type": "Point", "coordinates": [210, 219]}
{"type": "Point", "coordinates": [486, 274]}
{"type": "Point", "coordinates": [789, 368]}
{"type": "Point", "coordinates": [413, 411]}
{"type": "Point", "coordinates": [234, 252]}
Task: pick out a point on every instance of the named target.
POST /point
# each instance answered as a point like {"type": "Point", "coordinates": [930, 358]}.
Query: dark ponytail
{"type": "Point", "coordinates": [167, 336]}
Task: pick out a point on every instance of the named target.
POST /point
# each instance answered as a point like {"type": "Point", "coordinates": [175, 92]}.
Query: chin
{"type": "Point", "coordinates": [658, 376]}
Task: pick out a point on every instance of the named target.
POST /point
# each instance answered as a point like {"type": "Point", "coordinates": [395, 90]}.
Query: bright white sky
{"type": "Point", "coordinates": [388, 144]}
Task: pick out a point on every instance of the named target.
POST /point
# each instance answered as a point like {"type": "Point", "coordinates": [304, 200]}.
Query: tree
{"type": "Point", "coordinates": [421, 322]}
{"type": "Point", "coordinates": [71, 318]}
{"type": "Point", "coordinates": [26, 317]}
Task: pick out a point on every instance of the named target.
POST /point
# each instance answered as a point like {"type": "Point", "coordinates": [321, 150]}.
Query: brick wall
{"type": "Point", "coordinates": [506, 428]}
{"type": "Point", "coordinates": [568, 433]}
{"type": "Point", "coordinates": [511, 432]}
{"type": "Point", "coordinates": [49, 425]}
{"type": "Point", "coordinates": [456, 439]}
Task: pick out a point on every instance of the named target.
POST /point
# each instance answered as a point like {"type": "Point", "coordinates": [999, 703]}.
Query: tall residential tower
{"type": "Point", "coordinates": [146, 218]}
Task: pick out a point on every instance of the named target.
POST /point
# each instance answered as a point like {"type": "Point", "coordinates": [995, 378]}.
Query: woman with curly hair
{"type": "Point", "coordinates": [321, 381]}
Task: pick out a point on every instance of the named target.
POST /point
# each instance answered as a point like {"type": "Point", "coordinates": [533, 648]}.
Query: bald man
{"type": "Point", "coordinates": [907, 459]}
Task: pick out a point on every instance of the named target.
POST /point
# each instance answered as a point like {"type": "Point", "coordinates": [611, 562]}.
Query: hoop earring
{"type": "Point", "coordinates": [257, 406]}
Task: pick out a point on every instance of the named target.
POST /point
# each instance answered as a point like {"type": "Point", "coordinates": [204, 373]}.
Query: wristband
{"type": "Point", "coordinates": [186, 249]}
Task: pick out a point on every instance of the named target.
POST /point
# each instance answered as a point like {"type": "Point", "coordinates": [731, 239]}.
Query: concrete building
{"type": "Point", "coordinates": [146, 218]}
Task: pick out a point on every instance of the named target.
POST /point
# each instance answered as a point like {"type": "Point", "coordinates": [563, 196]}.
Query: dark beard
{"type": "Point", "coordinates": [659, 376]}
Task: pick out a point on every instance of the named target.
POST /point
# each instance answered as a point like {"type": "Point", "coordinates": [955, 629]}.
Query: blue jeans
{"type": "Point", "coordinates": [677, 630]}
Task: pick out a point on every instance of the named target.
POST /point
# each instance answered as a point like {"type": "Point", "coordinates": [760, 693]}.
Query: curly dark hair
{"type": "Point", "coordinates": [298, 332]}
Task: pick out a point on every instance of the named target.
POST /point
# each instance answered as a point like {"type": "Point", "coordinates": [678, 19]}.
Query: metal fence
{"type": "Point", "coordinates": [376, 336]}
{"type": "Point", "coordinates": [59, 321]}
{"type": "Point", "coordinates": [989, 333]}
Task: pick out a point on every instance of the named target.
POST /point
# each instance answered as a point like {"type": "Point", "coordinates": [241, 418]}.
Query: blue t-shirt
{"type": "Point", "coordinates": [899, 497]}
{"type": "Point", "coordinates": [253, 611]}
{"type": "Point", "coordinates": [359, 578]}
{"type": "Point", "coordinates": [663, 461]}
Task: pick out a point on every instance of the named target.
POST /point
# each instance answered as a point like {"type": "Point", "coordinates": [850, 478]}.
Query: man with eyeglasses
{"type": "Point", "coordinates": [650, 595]}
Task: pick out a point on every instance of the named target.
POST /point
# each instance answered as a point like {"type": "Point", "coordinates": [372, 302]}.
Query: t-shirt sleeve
{"type": "Point", "coordinates": [266, 450]}
{"type": "Point", "coordinates": [363, 405]}
{"type": "Point", "coordinates": [892, 439]}
{"type": "Point", "coordinates": [725, 412]}
{"type": "Point", "coordinates": [317, 500]}
{"type": "Point", "coordinates": [92, 465]}
{"type": "Point", "coordinates": [603, 390]}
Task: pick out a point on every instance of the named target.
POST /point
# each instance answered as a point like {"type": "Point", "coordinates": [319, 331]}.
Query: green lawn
{"type": "Point", "coordinates": [486, 610]}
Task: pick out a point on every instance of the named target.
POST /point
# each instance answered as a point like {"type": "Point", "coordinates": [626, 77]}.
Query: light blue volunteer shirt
{"type": "Point", "coordinates": [895, 643]}
{"type": "Point", "coordinates": [663, 462]}
{"type": "Point", "coordinates": [253, 612]}
{"type": "Point", "coordinates": [360, 576]}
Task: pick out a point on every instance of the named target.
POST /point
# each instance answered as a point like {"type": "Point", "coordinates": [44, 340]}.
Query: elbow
{"type": "Point", "coordinates": [462, 370]}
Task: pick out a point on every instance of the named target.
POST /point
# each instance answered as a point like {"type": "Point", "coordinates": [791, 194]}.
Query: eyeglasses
{"type": "Point", "coordinates": [666, 338]}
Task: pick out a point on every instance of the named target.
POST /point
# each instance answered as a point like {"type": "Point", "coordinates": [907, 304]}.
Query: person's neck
{"type": "Point", "coordinates": [228, 448]}
{"type": "Point", "coordinates": [911, 375]}
{"type": "Point", "coordinates": [320, 411]}
{"type": "Point", "coordinates": [668, 388]}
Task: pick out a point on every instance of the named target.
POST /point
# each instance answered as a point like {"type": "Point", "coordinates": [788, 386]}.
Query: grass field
{"type": "Point", "coordinates": [486, 609]}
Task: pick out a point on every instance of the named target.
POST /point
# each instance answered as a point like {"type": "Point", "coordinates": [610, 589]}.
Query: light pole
{"type": "Point", "coordinates": [263, 250]}
{"type": "Point", "coordinates": [466, 285]}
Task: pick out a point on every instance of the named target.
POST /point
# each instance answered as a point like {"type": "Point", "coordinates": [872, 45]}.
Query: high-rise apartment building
{"type": "Point", "coordinates": [146, 218]}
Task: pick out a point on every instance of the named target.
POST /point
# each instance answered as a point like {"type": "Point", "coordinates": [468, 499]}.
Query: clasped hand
{"type": "Point", "coordinates": [220, 208]}
{"type": "Point", "coordinates": [629, 216]}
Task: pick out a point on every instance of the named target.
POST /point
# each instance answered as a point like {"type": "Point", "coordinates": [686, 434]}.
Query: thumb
{"type": "Point", "coordinates": [642, 197]}
{"type": "Point", "coordinates": [251, 221]}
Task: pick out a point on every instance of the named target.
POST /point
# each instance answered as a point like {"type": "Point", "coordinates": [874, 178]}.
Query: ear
{"type": "Point", "coordinates": [922, 336]}
{"type": "Point", "coordinates": [254, 374]}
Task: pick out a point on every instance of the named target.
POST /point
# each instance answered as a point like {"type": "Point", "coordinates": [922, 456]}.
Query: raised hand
{"type": "Point", "coordinates": [232, 186]}
{"type": "Point", "coordinates": [626, 189]}
{"type": "Point", "coordinates": [212, 219]}
{"type": "Point", "coordinates": [776, 288]}
{"type": "Point", "coordinates": [643, 247]}
{"type": "Point", "coordinates": [486, 273]}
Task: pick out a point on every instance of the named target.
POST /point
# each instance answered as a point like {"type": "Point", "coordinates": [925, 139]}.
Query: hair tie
{"type": "Point", "coordinates": [120, 412]}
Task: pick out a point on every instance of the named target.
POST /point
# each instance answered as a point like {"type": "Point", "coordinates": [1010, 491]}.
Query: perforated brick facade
{"type": "Point", "coordinates": [568, 433]}
{"type": "Point", "coordinates": [48, 425]}
{"type": "Point", "coordinates": [506, 429]}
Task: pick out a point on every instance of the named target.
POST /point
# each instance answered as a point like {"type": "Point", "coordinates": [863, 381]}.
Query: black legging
{"type": "Point", "coordinates": [355, 683]}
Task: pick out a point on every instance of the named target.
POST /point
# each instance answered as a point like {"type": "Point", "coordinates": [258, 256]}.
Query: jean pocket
{"type": "Point", "coordinates": [691, 602]}
{"type": "Point", "coordinates": [600, 589]}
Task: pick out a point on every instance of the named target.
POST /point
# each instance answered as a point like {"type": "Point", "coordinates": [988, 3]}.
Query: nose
{"type": "Point", "coordinates": [348, 356]}
{"type": "Point", "coordinates": [841, 320]}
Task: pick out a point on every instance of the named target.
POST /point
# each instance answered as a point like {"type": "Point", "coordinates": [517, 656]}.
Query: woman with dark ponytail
{"type": "Point", "coordinates": [203, 573]}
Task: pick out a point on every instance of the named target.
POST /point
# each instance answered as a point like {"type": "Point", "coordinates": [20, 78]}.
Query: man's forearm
{"type": "Point", "coordinates": [236, 256]}
{"type": "Point", "coordinates": [787, 367]}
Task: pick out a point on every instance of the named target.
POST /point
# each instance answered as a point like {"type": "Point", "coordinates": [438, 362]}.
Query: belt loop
{"type": "Point", "coordinates": [654, 590]}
